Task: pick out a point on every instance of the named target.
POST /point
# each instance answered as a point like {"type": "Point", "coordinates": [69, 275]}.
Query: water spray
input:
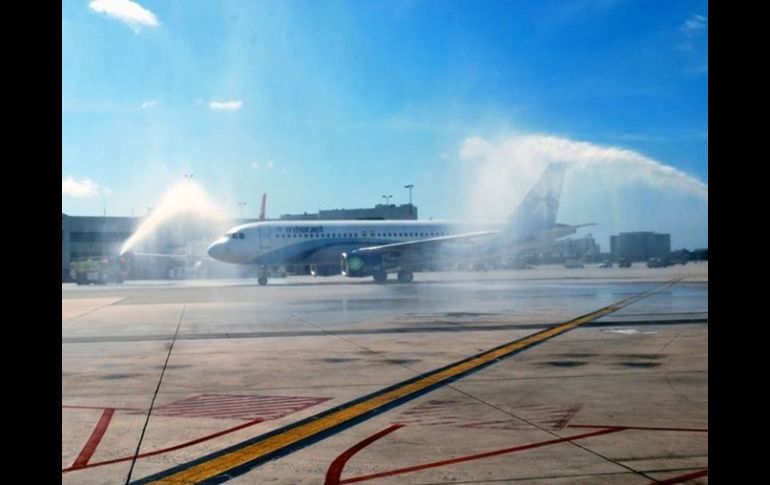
{"type": "Point", "coordinates": [184, 198]}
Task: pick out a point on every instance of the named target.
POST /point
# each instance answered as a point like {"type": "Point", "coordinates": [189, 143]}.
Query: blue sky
{"type": "Point", "coordinates": [332, 104]}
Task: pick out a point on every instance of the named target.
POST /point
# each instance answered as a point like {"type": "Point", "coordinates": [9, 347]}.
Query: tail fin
{"type": "Point", "coordinates": [262, 207]}
{"type": "Point", "coordinates": [537, 212]}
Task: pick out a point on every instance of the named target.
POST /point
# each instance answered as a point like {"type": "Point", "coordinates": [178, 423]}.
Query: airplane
{"type": "Point", "coordinates": [359, 249]}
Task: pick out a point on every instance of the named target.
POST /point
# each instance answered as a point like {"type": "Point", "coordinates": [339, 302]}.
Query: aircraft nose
{"type": "Point", "coordinates": [216, 250]}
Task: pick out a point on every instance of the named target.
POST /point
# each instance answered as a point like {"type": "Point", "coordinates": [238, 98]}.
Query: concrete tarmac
{"type": "Point", "coordinates": [182, 381]}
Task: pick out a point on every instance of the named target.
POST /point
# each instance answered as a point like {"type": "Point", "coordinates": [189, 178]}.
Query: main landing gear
{"type": "Point", "coordinates": [405, 276]}
{"type": "Point", "coordinates": [380, 276]}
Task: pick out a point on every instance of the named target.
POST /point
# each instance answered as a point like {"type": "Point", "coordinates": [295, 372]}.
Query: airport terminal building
{"type": "Point", "coordinates": [640, 246]}
{"type": "Point", "coordinates": [403, 212]}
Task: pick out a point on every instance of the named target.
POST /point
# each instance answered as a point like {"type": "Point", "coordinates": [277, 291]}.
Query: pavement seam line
{"type": "Point", "coordinates": [546, 430]}
{"type": "Point", "coordinates": [155, 395]}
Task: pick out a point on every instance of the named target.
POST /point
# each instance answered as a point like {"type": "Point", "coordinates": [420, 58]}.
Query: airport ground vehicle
{"type": "Point", "coordinates": [98, 270]}
{"type": "Point", "coordinates": [606, 264]}
{"type": "Point", "coordinates": [657, 263]}
{"type": "Point", "coordinates": [624, 263]}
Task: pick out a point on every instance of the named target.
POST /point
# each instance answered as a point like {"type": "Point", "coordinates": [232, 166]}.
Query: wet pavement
{"type": "Point", "coordinates": [622, 399]}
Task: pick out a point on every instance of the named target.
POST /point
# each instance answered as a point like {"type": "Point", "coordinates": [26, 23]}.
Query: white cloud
{"type": "Point", "coordinates": [150, 104]}
{"type": "Point", "coordinates": [696, 22]}
{"type": "Point", "coordinates": [225, 105]}
{"type": "Point", "coordinates": [79, 189]}
{"type": "Point", "coordinates": [128, 12]}
{"type": "Point", "coordinates": [269, 165]}
{"type": "Point", "coordinates": [692, 30]}
{"type": "Point", "coordinates": [500, 172]}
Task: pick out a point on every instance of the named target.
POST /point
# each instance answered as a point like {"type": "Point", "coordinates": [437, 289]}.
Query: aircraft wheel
{"type": "Point", "coordinates": [380, 276]}
{"type": "Point", "coordinates": [262, 280]}
{"type": "Point", "coordinates": [405, 276]}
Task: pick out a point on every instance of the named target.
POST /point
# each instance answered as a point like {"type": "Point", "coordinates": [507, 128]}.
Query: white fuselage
{"type": "Point", "coordinates": [322, 242]}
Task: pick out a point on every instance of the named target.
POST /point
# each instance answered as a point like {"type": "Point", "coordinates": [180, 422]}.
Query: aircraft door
{"type": "Point", "coordinates": [264, 237]}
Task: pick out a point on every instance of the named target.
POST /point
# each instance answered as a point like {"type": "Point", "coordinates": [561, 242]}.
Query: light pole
{"type": "Point", "coordinates": [387, 199]}
{"type": "Point", "coordinates": [241, 204]}
{"type": "Point", "coordinates": [410, 187]}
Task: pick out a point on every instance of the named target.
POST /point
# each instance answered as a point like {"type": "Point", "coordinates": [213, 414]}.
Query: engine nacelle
{"type": "Point", "coordinates": [360, 264]}
{"type": "Point", "coordinates": [324, 269]}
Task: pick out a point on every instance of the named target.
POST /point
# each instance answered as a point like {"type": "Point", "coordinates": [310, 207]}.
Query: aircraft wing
{"type": "Point", "coordinates": [424, 250]}
{"type": "Point", "coordinates": [426, 244]}
{"type": "Point", "coordinates": [464, 247]}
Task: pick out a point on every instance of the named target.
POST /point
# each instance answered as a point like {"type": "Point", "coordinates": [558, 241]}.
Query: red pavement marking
{"type": "Point", "coordinates": [438, 412]}
{"type": "Point", "coordinates": [223, 406]}
{"type": "Point", "coordinates": [255, 409]}
{"type": "Point", "coordinates": [165, 450]}
{"type": "Point", "coordinates": [683, 478]}
{"type": "Point", "coordinates": [350, 452]}
{"type": "Point", "coordinates": [96, 436]}
{"type": "Point", "coordinates": [335, 470]}
{"type": "Point", "coordinates": [333, 474]}
{"type": "Point", "coordinates": [642, 428]}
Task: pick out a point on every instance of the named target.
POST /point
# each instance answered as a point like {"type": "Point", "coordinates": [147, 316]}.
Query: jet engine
{"type": "Point", "coordinates": [360, 264]}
